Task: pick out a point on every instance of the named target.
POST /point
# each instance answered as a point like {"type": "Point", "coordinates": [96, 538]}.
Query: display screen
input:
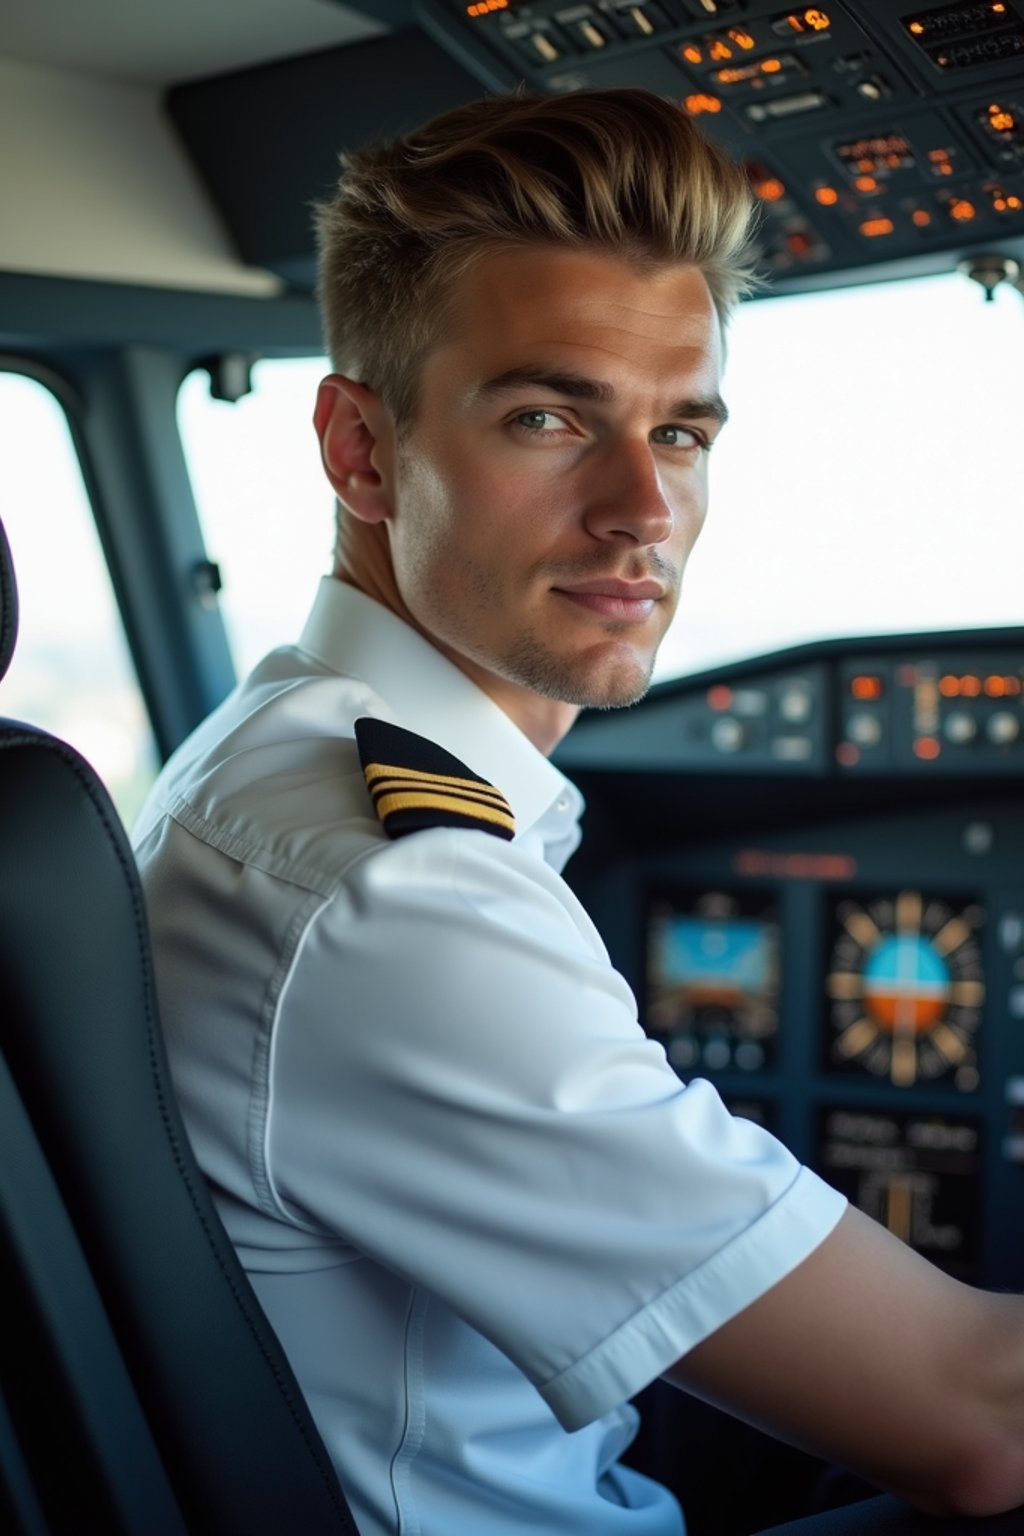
{"type": "Point", "coordinates": [905, 986]}
{"type": "Point", "coordinates": [918, 1174]}
{"type": "Point", "coordinates": [712, 979]}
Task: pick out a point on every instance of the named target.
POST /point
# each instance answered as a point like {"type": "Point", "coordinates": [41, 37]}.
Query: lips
{"type": "Point", "coordinates": [609, 586]}
{"type": "Point", "coordinates": [628, 602]}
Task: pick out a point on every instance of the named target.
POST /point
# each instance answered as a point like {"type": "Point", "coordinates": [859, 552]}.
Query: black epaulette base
{"type": "Point", "coordinates": [416, 784]}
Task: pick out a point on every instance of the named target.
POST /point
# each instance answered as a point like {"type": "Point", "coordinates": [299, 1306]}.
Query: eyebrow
{"type": "Point", "coordinates": [578, 387]}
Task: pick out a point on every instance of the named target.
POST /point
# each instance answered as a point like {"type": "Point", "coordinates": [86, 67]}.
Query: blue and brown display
{"type": "Point", "coordinates": [712, 983]}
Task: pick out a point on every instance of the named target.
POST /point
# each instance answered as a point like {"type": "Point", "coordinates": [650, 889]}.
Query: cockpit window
{"type": "Point", "coordinates": [72, 672]}
{"type": "Point", "coordinates": [867, 483]}
{"type": "Point", "coordinates": [869, 478]}
{"type": "Point", "coordinates": [266, 510]}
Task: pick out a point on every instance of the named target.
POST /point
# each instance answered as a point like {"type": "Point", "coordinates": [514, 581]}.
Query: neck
{"type": "Point", "coordinates": [365, 562]}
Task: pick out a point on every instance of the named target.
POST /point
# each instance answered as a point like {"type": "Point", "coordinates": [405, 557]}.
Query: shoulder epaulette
{"type": "Point", "coordinates": [416, 784]}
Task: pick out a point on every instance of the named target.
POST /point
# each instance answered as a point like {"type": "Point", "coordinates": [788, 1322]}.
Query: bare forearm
{"type": "Point", "coordinates": [868, 1355]}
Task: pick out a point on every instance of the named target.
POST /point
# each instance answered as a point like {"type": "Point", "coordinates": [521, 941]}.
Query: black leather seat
{"type": "Point", "coordinates": [143, 1391]}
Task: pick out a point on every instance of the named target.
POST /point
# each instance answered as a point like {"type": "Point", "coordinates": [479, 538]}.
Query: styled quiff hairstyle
{"type": "Point", "coordinates": [617, 171]}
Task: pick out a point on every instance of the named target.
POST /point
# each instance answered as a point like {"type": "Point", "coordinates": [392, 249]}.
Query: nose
{"type": "Point", "coordinates": [627, 499]}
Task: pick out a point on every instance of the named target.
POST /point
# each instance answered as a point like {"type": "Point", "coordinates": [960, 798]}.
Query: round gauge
{"type": "Point", "coordinates": [906, 986]}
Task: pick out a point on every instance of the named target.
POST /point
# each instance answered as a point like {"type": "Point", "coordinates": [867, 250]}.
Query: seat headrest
{"type": "Point", "coordinates": [8, 604]}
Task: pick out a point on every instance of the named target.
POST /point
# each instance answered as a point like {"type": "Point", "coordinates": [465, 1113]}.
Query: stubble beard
{"type": "Point", "coordinates": [532, 665]}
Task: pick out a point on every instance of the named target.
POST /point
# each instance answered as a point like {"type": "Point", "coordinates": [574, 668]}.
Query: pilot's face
{"type": "Point", "coordinates": [554, 481]}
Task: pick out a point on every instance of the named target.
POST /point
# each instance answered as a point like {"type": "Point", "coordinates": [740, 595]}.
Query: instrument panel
{"type": "Point", "coordinates": [841, 953]}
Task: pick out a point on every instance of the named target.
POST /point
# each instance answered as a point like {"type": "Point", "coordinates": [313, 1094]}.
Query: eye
{"type": "Point", "coordinates": [538, 421]}
{"type": "Point", "coordinates": [673, 436]}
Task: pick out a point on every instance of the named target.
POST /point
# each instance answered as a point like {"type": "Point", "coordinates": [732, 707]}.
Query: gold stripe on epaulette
{"type": "Point", "coordinates": [411, 783]}
{"type": "Point", "coordinates": [386, 771]}
{"type": "Point", "coordinates": [475, 810]}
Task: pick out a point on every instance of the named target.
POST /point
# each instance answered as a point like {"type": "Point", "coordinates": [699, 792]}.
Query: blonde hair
{"type": "Point", "coordinates": [621, 171]}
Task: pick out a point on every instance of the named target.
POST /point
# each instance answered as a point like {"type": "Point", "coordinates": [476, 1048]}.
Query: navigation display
{"type": "Point", "coordinates": [712, 979]}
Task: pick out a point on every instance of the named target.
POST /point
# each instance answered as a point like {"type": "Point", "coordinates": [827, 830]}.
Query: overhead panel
{"type": "Point", "coordinates": [876, 134]}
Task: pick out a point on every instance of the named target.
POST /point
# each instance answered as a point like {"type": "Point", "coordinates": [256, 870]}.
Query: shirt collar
{"type": "Point", "coordinates": [356, 636]}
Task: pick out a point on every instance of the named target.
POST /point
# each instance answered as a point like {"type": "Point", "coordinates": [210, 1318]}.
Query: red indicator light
{"type": "Point", "coordinates": [927, 748]}
{"type": "Point", "coordinates": [921, 217]}
{"type": "Point", "coordinates": [867, 687]}
{"type": "Point", "coordinates": [1012, 686]}
{"type": "Point", "coordinates": [847, 755]}
{"type": "Point", "coordinates": [720, 697]}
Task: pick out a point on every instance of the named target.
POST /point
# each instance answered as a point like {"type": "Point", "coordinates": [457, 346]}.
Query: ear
{"type": "Point", "coordinates": [356, 435]}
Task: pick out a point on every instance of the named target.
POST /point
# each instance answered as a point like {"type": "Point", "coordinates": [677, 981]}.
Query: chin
{"type": "Point", "coordinates": [609, 683]}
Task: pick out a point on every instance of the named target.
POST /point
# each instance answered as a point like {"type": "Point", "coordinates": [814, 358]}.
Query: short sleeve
{"type": "Point", "coordinates": [460, 1089]}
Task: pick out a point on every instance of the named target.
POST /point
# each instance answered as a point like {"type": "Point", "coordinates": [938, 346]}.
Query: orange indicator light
{"type": "Point", "coordinates": [916, 28]}
{"type": "Point", "coordinates": [872, 228]}
{"type": "Point", "coordinates": [1000, 121]}
{"type": "Point", "coordinates": [1014, 202]}
{"type": "Point", "coordinates": [866, 184]}
{"type": "Point", "coordinates": [995, 687]}
{"type": "Point", "coordinates": [770, 190]}
{"type": "Point", "coordinates": [1012, 686]}
{"type": "Point", "coordinates": [949, 686]}
{"type": "Point", "coordinates": [962, 210]}
{"type": "Point", "coordinates": [927, 748]}
{"type": "Point", "coordinates": [719, 50]}
{"type": "Point", "coordinates": [485, 7]}
{"type": "Point", "coordinates": [770, 66]}
{"type": "Point", "coordinates": [866, 165]}
{"type": "Point", "coordinates": [720, 697]}
{"type": "Point", "coordinates": [921, 217]}
{"type": "Point", "coordinates": [741, 38]}
{"type": "Point", "coordinates": [692, 54]}
{"type": "Point", "coordinates": [826, 196]}
{"type": "Point", "coordinates": [817, 20]}
{"type": "Point", "coordinates": [866, 687]}
{"type": "Point", "coordinates": [999, 8]}
{"type": "Point", "coordinates": [970, 687]}
{"type": "Point", "coordinates": [695, 105]}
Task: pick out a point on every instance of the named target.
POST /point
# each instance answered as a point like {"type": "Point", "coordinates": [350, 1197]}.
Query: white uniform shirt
{"type": "Point", "coordinates": [480, 1209]}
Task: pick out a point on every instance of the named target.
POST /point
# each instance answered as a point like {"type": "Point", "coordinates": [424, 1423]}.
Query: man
{"type": "Point", "coordinates": [479, 1208]}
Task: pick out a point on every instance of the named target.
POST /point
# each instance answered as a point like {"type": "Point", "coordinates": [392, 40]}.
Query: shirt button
{"type": "Point", "coordinates": [563, 804]}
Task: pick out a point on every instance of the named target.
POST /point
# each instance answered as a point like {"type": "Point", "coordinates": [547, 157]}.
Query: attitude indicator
{"type": "Point", "coordinates": [906, 987]}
